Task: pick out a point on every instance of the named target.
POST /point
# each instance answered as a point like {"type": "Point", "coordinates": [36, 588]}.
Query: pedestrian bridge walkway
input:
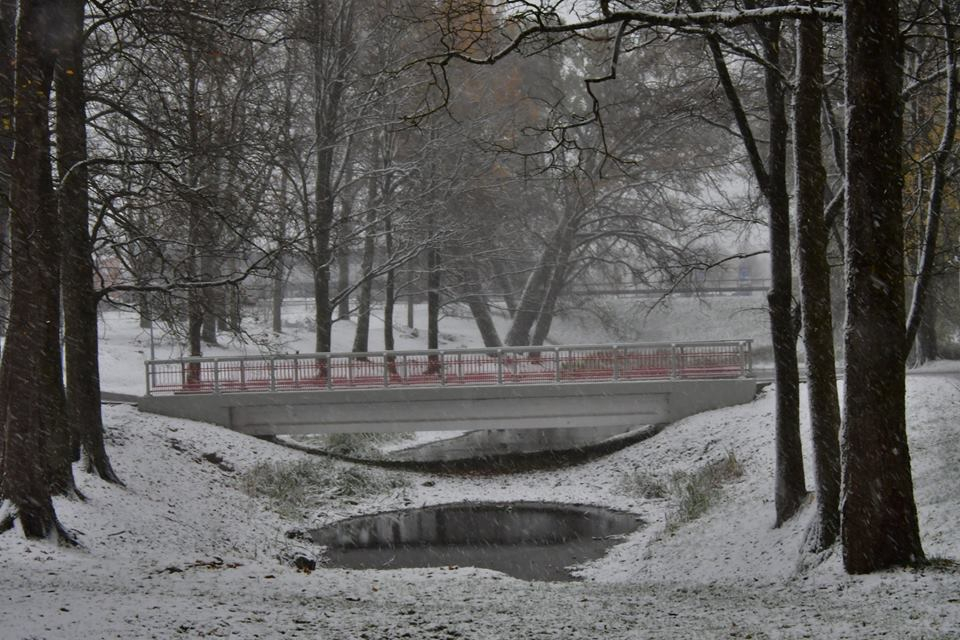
{"type": "Point", "coordinates": [458, 389]}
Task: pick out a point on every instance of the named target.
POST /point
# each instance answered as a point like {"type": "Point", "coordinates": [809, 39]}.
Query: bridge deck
{"type": "Point", "coordinates": [459, 367]}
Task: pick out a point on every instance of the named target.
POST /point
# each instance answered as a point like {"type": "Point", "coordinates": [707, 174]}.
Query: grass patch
{"type": "Point", "coordinates": [641, 484]}
{"type": "Point", "coordinates": [694, 493]}
{"type": "Point", "coordinates": [295, 488]}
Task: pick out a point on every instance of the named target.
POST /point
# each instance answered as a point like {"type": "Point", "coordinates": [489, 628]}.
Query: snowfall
{"type": "Point", "coordinates": [183, 551]}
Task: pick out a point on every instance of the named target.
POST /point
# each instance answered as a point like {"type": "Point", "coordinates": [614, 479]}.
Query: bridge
{"type": "Point", "coordinates": [612, 386]}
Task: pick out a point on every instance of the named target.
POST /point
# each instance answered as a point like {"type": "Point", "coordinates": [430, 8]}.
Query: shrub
{"type": "Point", "coordinates": [293, 488]}
{"type": "Point", "coordinates": [694, 493]}
{"type": "Point", "coordinates": [642, 485]}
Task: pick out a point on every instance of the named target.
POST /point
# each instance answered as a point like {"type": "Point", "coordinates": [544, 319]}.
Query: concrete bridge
{"type": "Point", "coordinates": [608, 387]}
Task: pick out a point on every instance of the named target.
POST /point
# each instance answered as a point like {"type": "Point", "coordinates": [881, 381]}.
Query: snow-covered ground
{"type": "Point", "coordinates": [183, 551]}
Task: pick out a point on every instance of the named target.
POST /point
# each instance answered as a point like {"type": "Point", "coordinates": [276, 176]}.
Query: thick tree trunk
{"type": "Point", "coordinates": [812, 240]}
{"type": "Point", "coordinates": [879, 527]}
{"type": "Point", "coordinates": [8, 16]}
{"type": "Point", "coordinates": [30, 392]}
{"type": "Point", "coordinates": [80, 338]}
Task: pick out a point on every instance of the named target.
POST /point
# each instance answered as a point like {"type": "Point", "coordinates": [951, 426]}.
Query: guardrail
{"type": "Point", "coordinates": [507, 365]}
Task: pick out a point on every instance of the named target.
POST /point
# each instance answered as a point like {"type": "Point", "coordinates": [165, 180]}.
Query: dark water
{"type": "Point", "coordinates": [528, 540]}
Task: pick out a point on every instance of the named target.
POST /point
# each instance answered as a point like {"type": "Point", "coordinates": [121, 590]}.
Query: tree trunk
{"type": "Point", "coordinates": [790, 481]}
{"type": "Point", "coordinates": [343, 260]}
{"type": "Point", "coordinates": [505, 285]}
{"type": "Point", "coordinates": [29, 389]}
{"type": "Point", "coordinates": [433, 305]}
{"type": "Point", "coordinates": [535, 290]}
{"type": "Point", "coordinates": [927, 346]}
{"type": "Point", "coordinates": [389, 291]}
{"type": "Point", "coordinates": [879, 527]}
{"type": "Point", "coordinates": [8, 16]}
{"type": "Point", "coordinates": [477, 302]}
{"type": "Point", "coordinates": [812, 241]}
{"type": "Point", "coordinates": [361, 340]}
{"type": "Point", "coordinates": [554, 289]}
{"type": "Point", "coordinates": [80, 339]}
{"type": "Point", "coordinates": [212, 298]}
{"type": "Point", "coordinates": [545, 319]}
{"type": "Point", "coordinates": [276, 293]}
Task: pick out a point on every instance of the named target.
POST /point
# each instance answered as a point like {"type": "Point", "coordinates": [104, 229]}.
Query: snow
{"type": "Point", "coordinates": [183, 551]}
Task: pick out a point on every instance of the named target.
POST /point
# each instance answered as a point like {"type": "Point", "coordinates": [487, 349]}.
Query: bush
{"type": "Point", "coordinates": [293, 488]}
{"type": "Point", "coordinates": [694, 493]}
{"type": "Point", "coordinates": [642, 485]}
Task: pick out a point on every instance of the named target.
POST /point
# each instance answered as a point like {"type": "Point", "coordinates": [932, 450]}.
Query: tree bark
{"type": "Point", "coordinates": [361, 340]}
{"type": "Point", "coordinates": [29, 389]}
{"type": "Point", "coordinates": [477, 302]}
{"type": "Point", "coordinates": [879, 527]}
{"type": "Point", "coordinates": [790, 480]}
{"type": "Point", "coordinates": [276, 292]}
{"type": "Point", "coordinates": [433, 304]}
{"type": "Point", "coordinates": [390, 288]}
{"type": "Point", "coordinates": [8, 17]}
{"type": "Point", "coordinates": [80, 338]}
{"type": "Point", "coordinates": [812, 241]}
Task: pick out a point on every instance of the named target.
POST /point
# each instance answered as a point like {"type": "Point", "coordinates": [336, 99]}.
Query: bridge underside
{"type": "Point", "coordinates": [533, 406]}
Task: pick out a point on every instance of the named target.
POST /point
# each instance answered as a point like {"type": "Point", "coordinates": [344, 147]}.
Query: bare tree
{"type": "Point", "coordinates": [812, 241]}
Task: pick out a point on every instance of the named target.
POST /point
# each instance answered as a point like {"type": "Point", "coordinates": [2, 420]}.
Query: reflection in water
{"type": "Point", "coordinates": [528, 540]}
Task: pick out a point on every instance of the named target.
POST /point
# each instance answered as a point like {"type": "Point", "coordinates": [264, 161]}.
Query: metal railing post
{"type": "Point", "coordinates": [243, 375]}
{"type": "Point", "coordinates": [499, 366]}
{"type": "Point", "coordinates": [443, 370]}
{"type": "Point", "coordinates": [273, 374]}
{"type": "Point", "coordinates": [329, 369]}
{"type": "Point", "coordinates": [385, 362]}
{"type": "Point", "coordinates": [146, 367]}
{"type": "Point", "coordinates": [216, 375]}
{"type": "Point", "coordinates": [674, 361]}
{"type": "Point", "coordinates": [616, 364]}
{"type": "Point", "coordinates": [556, 364]}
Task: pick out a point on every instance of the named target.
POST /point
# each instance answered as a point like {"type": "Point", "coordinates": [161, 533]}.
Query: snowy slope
{"type": "Point", "coordinates": [182, 551]}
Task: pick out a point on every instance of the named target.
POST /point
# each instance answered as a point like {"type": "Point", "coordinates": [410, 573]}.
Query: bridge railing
{"type": "Point", "coordinates": [507, 365]}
